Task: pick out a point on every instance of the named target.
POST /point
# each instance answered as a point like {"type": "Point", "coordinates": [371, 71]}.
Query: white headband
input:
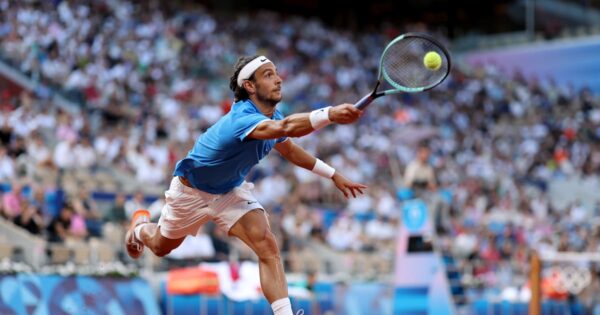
{"type": "Point", "coordinates": [249, 69]}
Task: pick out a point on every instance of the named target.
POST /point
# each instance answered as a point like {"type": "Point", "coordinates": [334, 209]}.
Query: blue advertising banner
{"type": "Point", "coordinates": [52, 294]}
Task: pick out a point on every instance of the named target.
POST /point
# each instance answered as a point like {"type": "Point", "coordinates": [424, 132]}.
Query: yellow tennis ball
{"type": "Point", "coordinates": [432, 60]}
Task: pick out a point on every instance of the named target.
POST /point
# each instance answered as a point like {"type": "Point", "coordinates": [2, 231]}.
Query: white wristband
{"type": "Point", "coordinates": [320, 118]}
{"type": "Point", "coordinates": [323, 169]}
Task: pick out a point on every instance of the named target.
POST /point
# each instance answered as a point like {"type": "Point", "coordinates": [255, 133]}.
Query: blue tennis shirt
{"type": "Point", "coordinates": [222, 156]}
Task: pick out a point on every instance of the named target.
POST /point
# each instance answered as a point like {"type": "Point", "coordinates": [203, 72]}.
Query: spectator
{"type": "Point", "coordinates": [419, 174]}
{"type": "Point", "coordinates": [30, 219]}
{"type": "Point", "coordinates": [85, 156]}
{"type": "Point", "coordinates": [59, 229]}
{"type": "Point", "coordinates": [135, 203]}
{"type": "Point", "coordinates": [500, 142]}
{"type": "Point", "coordinates": [116, 214]}
{"type": "Point", "coordinates": [63, 155]}
{"type": "Point", "coordinates": [86, 208]}
{"type": "Point", "coordinates": [116, 221]}
{"type": "Point", "coordinates": [39, 151]}
{"type": "Point", "coordinates": [7, 166]}
{"type": "Point", "coordinates": [156, 207]}
{"type": "Point", "coordinates": [344, 234]}
{"type": "Point", "coordinates": [37, 199]}
{"type": "Point", "coordinates": [13, 201]}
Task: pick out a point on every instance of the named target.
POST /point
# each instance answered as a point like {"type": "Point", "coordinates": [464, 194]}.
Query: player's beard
{"type": "Point", "coordinates": [269, 98]}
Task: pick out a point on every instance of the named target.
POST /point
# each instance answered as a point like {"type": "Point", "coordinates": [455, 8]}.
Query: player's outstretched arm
{"type": "Point", "coordinates": [301, 124]}
{"type": "Point", "coordinates": [298, 156]}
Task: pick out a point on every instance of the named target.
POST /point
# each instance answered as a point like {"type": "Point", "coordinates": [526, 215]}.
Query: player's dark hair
{"type": "Point", "coordinates": [239, 93]}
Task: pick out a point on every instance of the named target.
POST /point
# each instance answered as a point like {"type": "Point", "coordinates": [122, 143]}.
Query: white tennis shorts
{"type": "Point", "coordinates": [186, 209]}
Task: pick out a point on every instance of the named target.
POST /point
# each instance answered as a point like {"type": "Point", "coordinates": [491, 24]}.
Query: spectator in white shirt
{"type": "Point", "coordinates": [135, 203]}
{"type": "Point", "coordinates": [85, 154]}
{"type": "Point", "coordinates": [63, 154]}
{"type": "Point", "coordinates": [344, 234]}
{"type": "Point", "coordinates": [419, 174]}
{"type": "Point", "coordinates": [39, 151]}
{"type": "Point", "coordinates": [148, 171]}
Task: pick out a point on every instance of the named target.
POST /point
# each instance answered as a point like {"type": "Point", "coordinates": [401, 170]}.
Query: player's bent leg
{"type": "Point", "coordinates": [143, 233]}
{"type": "Point", "coordinates": [133, 245]}
{"type": "Point", "coordinates": [253, 229]}
{"type": "Point", "coordinates": [156, 242]}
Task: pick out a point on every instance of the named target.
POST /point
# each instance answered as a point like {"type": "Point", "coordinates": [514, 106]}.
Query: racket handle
{"type": "Point", "coordinates": [365, 101]}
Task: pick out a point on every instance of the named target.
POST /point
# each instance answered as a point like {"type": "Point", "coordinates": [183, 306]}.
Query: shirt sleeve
{"type": "Point", "coordinates": [243, 125]}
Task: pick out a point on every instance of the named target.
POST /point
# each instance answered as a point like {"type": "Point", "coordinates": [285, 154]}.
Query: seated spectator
{"type": "Point", "coordinates": [85, 206]}
{"type": "Point", "coordinates": [419, 174]}
{"type": "Point", "coordinates": [59, 229]}
{"type": "Point", "coordinates": [39, 151]}
{"type": "Point", "coordinates": [344, 234]}
{"type": "Point", "coordinates": [7, 166]}
{"type": "Point", "coordinates": [6, 133]}
{"type": "Point", "coordinates": [156, 207]}
{"type": "Point", "coordinates": [84, 153]}
{"type": "Point", "coordinates": [135, 203]}
{"type": "Point", "coordinates": [115, 221]}
{"type": "Point", "coordinates": [37, 199]}
{"type": "Point", "coordinates": [30, 219]}
{"type": "Point", "coordinates": [13, 201]}
{"type": "Point", "coordinates": [218, 238]}
{"type": "Point", "coordinates": [116, 213]}
{"type": "Point", "coordinates": [195, 247]}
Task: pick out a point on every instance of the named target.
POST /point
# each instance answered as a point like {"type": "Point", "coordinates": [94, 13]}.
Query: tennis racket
{"type": "Point", "coordinates": [403, 67]}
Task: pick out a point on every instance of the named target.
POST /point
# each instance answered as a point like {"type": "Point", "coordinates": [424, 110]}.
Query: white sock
{"type": "Point", "coordinates": [138, 230]}
{"type": "Point", "coordinates": [282, 307]}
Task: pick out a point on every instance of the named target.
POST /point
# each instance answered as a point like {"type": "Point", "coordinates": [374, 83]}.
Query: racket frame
{"type": "Point", "coordinates": [369, 98]}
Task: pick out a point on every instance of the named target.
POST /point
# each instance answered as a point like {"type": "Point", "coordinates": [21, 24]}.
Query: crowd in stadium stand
{"type": "Point", "coordinates": [149, 82]}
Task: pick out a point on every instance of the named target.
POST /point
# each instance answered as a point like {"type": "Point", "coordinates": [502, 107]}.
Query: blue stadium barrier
{"type": "Point", "coordinates": [199, 304]}
{"type": "Point", "coordinates": [577, 308]}
{"type": "Point", "coordinates": [411, 300]}
{"type": "Point", "coordinates": [325, 294]}
{"type": "Point", "coordinates": [52, 294]}
{"type": "Point", "coordinates": [520, 308]}
{"type": "Point", "coordinates": [191, 304]}
{"type": "Point", "coordinates": [484, 307]}
{"type": "Point", "coordinates": [237, 308]}
{"type": "Point", "coordinates": [261, 307]}
{"type": "Point", "coordinates": [304, 304]}
{"type": "Point", "coordinates": [359, 298]}
{"type": "Point", "coordinates": [481, 307]}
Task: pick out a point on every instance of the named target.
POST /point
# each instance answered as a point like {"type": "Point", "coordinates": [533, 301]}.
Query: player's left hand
{"type": "Point", "coordinates": [346, 186]}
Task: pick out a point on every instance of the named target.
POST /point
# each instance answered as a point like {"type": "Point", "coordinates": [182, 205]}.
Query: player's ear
{"type": "Point", "coordinates": [248, 85]}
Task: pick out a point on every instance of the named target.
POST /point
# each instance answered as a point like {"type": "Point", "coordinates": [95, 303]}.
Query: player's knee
{"type": "Point", "coordinates": [161, 251]}
{"type": "Point", "coordinates": [264, 242]}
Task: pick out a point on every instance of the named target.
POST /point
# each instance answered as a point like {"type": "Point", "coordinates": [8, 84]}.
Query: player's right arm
{"type": "Point", "coordinates": [301, 124]}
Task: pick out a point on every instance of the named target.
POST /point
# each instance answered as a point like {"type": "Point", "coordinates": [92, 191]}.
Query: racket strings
{"type": "Point", "coordinates": [402, 63]}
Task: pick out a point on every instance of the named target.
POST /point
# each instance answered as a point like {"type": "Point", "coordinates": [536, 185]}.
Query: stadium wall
{"type": "Point", "coordinates": [573, 62]}
{"type": "Point", "coordinates": [53, 294]}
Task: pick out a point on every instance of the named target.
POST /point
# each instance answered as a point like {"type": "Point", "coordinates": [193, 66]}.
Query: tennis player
{"type": "Point", "coordinates": [208, 184]}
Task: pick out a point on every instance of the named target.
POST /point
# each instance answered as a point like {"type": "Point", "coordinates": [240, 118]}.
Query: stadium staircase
{"type": "Point", "coordinates": [18, 242]}
{"type": "Point", "coordinates": [454, 280]}
{"type": "Point", "coordinates": [10, 72]}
